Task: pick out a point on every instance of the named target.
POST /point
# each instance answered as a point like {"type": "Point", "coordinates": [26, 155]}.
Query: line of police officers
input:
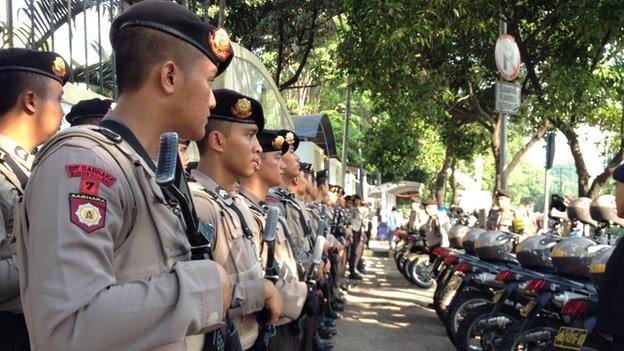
{"type": "Point", "coordinates": [95, 254]}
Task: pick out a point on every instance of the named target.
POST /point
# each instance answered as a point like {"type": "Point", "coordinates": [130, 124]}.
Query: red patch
{"type": "Point", "coordinates": [91, 177]}
{"type": "Point", "coordinates": [87, 212]}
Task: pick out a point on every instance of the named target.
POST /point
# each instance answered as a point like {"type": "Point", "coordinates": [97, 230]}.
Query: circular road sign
{"type": "Point", "coordinates": [507, 57]}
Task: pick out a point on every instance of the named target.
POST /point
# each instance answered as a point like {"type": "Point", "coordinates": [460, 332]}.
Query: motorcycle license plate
{"type": "Point", "coordinates": [497, 296]}
{"type": "Point", "coordinates": [570, 338]}
{"type": "Point", "coordinates": [526, 309]}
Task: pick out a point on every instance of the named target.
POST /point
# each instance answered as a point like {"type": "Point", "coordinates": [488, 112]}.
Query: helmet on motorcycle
{"type": "Point", "coordinates": [558, 207]}
{"type": "Point", "coordinates": [579, 209]}
{"type": "Point", "coordinates": [598, 265]}
{"type": "Point", "coordinates": [534, 252]}
{"type": "Point", "coordinates": [456, 236]}
{"type": "Point", "coordinates": [496, 246]}
{"type": "Point", "coordinates": [469, 240]}
{"type": "Point", "coordinates": [603, 209]}
{"type": "Point", "coordinates": [572, 256]}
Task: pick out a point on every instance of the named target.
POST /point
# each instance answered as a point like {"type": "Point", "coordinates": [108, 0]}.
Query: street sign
{"type": "Point", "coordinates": [550, 150]}
{"type": "Point", "coordinates": [507, 57]}
{"type": "Point", "coordinates": [507, 98]}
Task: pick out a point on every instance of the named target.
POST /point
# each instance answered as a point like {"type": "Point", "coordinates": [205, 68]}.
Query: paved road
{"type": "Point", "coordinates": [386, 313]}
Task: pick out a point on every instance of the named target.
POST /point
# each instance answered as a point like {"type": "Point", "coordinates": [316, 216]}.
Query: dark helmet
{"type": "Point", "coordinates": [579, 209]}
{"type": "Point", "coordinates": [496, 246]}
{"type": "Point", "coordinates": [598, 265]}
{"type": "Point", "coordinates": [558, 207]}
{"type": "Point", "coordinates": [456, 236]}
{"type": "Point", "coordinates": [603, 209]}
{"type": "Point", "coordinates": [534, 252]}
{"type": "Point", "coordinates": [572, 256]}
{"type": "Point", "coordinates": [468, 242]}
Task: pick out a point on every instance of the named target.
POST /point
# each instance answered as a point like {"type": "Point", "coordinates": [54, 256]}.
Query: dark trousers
{"type": "Point", "coordinates": [284, 339]}
{"type": "Point", "coordinates": [13, 332]}
{"type": "Point", "coordinates": [357, 237]}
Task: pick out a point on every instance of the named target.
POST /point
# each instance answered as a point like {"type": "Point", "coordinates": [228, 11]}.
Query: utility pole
{"type": "Point", "coordinates": [345, 135]}
{"type": "Point", "coordinates": [502, 27]}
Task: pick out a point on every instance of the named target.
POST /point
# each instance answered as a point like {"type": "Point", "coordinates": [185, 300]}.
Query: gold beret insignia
{"type": "Point", "coordinates": [58, 67]}
{"type": "Point", "coordinates": [220, 43]}
{"type": "Point", "coordinates": [242, 108]}
{"type": "Point", "coordinates": [278, 142]}
{"type": "Point", "coordinates": [290, 138]}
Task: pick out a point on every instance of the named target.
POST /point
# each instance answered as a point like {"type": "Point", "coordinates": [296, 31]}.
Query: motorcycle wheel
{"type": "Point", "coordinates": [463, 302]}
{"type": "Point", "coordinates": [406, 260]}
{"type": "Point", "coordinates": [419, 272]}
{"type": "Point", "coordinates": [445, 296]}
{"type": "Point", "coordinates": [397, 258]}
{"type": "Point", "coordinates": [473, 335]}
{"type": "Point", "coordinates": [540, 337]}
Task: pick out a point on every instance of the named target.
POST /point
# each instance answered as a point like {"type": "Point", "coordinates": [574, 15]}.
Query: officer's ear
{"type": "Point", "coordinates": [216, 140]}
{"type": "Point", "coordinates": [170, 77]}
{"type": "Point", "coordinates": [29, 102]}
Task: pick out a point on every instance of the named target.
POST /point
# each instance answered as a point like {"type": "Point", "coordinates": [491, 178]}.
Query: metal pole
{"type": "Point", "coordinates": [31, 10]}
{"type": "Point", "coordinates": [86, 42]}
{"type": "Point", "coordinates": [546, 199]}
{"type": "Point", "coordinates": [502, 26]}
{"type": "Point", "coordinates": [112, 58]}
{"type": "Point", "coordinates": [71, 50]}
{"type": "Point", "coordinates": [9, 8]}
{"type": "Point", "coordinates": [221, 12]}
{"type": "Point", "coordinates": [345, 135]}
{"type": "Point", "coordinates": [100, 65]}
{"type": "Point", "coordinates": [53, 11]}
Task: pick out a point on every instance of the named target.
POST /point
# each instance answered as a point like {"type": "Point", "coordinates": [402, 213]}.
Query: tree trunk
{"type": "Point", "coordinates": [579, 161]}
{"type": "Point", "coordinates": [602, 178]}
{"type": "Point", "coordinates": [534, 139]}
{"type": "Point", "coordinates": [441, 179]}
{"type": "Point", "coordinates": [454, 185]}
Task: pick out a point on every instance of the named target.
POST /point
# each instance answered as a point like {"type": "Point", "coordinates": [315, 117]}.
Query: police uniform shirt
{"type": "Point", "coordinates": [10, 191]}
{"type": "Point", "coordinates": [236, 247]}
{"type": "Point", "coordinates": [500, 220]}
{"type": "Point", "coordinates": [104, 259]}
{"type": "Point", "coordinates": [294, 211]}
{"type": "Point", "coordinates": [292, 291]}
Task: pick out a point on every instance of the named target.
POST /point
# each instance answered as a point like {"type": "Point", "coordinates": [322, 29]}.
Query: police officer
{"type": "Point", "coordinates": [300, 231]}
{"type": "Point", "coordinates": [254, 189]}
{"type": "Point", "coordinates": [435, 228]}
{"type": "Point", "coordinates": [611, 292]}
{"type": "Point", "coordinates": [88, 112]}
{"type": "Point", "coordinates": [31, 87]}
{"type": "Point", "coordinates": [103, 255]}
{"type": "Point", "coordinates": [502, 216]}
{"type": "Point", "coordinates": [230, 150]}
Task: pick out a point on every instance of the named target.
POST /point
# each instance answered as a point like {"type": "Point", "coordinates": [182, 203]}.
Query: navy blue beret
{"type": "Point", "coordinates": [271, 141]}
{"type": "Point", "coordinates": [235, 107]}
{"type": "Point", "coordinates": [46, 63]}
{"type": "Point", "coordinates": [88, 108]}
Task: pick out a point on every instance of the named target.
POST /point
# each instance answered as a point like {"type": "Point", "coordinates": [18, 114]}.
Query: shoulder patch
{"type": "Point", "coordinates": [91, 177]}
{"type": "Point", "coordinates": [87, 212]}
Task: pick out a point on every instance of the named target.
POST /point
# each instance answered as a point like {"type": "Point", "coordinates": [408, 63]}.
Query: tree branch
{"type": "Point", "coordinates": [310, 43]}
{"type": "Point", "coordinates": [534, 139]}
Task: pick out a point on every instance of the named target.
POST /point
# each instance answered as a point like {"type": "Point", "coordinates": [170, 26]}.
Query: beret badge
{"type": "Point", "coordinates": [290, 138]}
{"type": "Point", "coordinates": [58, 67]}
{"type": "Point", "coordinates": [220, 43]}
{"type": "Point", "coordinates": [242, 108]}
{"type": "Point", "coordinates": [278, 142]}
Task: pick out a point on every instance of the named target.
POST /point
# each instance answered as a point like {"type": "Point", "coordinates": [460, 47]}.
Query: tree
{"type": "Point", "coordinates": [422, 56]}
{"type": "Point", "coordinates": [572, 54]}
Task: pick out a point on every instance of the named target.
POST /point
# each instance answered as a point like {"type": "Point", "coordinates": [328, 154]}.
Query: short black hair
{"type": "Point", "coordinates": [213, 125]}
{"type": "Point", "coordinates": [13, 83]}
{"type": "Point", "coordinates": [139, 49]}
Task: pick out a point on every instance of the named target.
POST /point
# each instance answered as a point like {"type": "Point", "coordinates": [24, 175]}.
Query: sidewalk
{"type": "Point", "coordinates": [386, 313]}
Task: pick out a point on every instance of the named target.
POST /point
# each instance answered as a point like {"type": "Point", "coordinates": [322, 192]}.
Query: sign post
{"type": "Point", "coordinates": [507, 57]}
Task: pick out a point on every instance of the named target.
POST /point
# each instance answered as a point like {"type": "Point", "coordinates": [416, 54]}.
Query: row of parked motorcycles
{"type": "Point", "coordinates": [502, 291]}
